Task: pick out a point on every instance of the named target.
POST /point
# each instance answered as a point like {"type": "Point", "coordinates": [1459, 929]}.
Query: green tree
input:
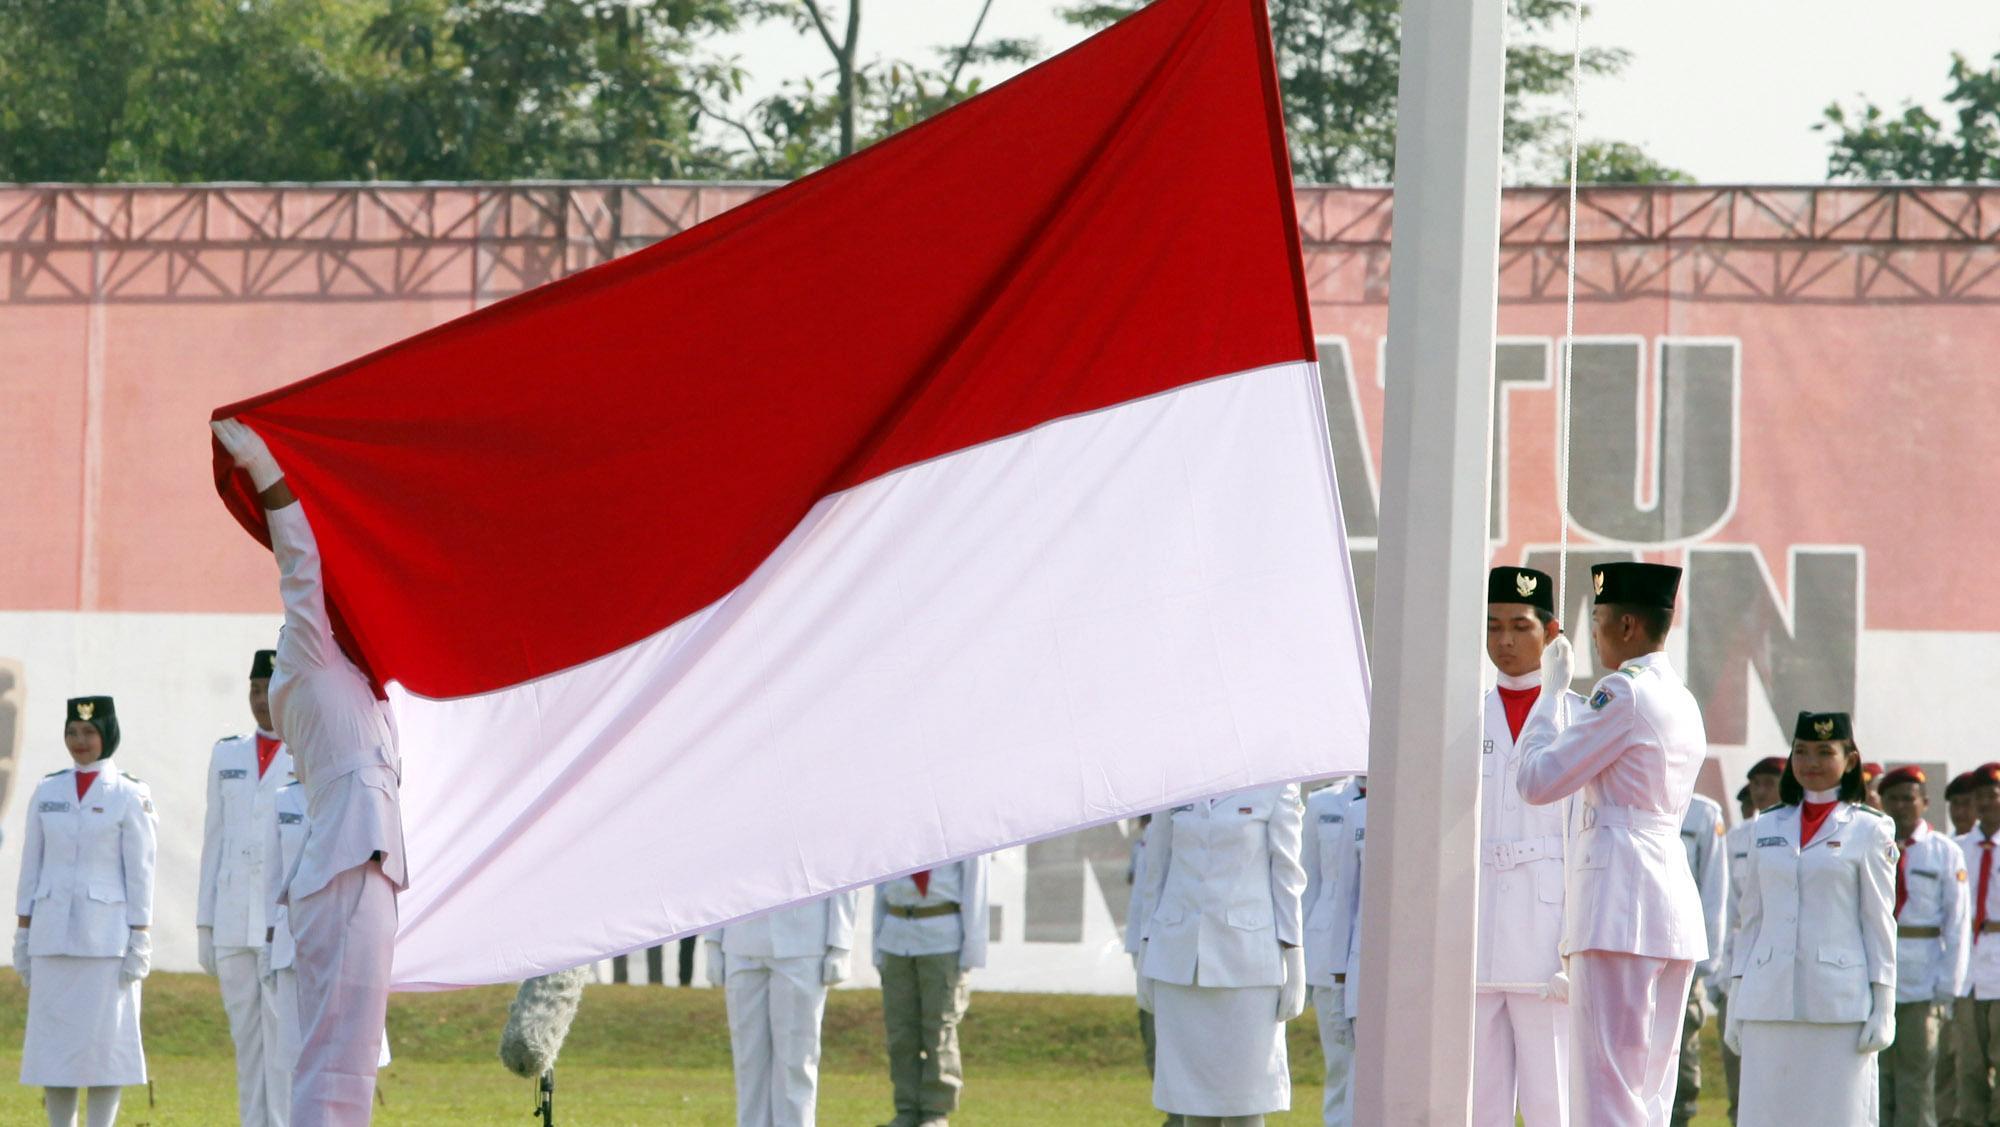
{"type": "Point", "coordinates": [1870, 143]}
{"type": "Point", "coordinates": [181, 90]}
{"type": "Point", "coordinates": [1616, 162]}
{"type": "Point", "coordinates": [814, 120]}
{"type": "Point", "coordinates": [1338, 63]}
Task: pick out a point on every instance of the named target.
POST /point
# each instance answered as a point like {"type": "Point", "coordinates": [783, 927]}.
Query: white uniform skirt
{"type": "Point", "coordinates": [1805, 1074]}
{"type": "Point", "coordinates": [1220, 1051]}
{"type": "Point", "coordinates": [83, 1025]}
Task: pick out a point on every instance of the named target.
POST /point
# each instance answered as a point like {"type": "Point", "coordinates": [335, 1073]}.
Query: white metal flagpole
{"type": "Point", "coordinates": [1414, 1043]}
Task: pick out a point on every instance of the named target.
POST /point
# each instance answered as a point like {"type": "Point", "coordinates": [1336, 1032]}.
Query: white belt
{"type": "Point", "coordinates": [1631, 817]}
{"type": "Point", "coordinates": [1504, 855]}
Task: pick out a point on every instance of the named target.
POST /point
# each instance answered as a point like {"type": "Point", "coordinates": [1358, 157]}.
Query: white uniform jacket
{"type": "Point", "coordinates": [343, 748]}
{"type": "Point", "coordinates": [1934, 896]}
{"type": "Point", "coordinates": [1520, 863]}
{"type": "Point", "coordinates": [1737, 844]}
{"type": "Point", "coordinates": [284, 840]}
{"type": "Point", "coordinates": [1982, 972]}
{"type": "Point", "coordinates": [87, 864]}
{"type": "Point", "coordinates": [1702, 834]}
{"type": "Point", "coordinates": [1634, 751]}
{"type": "Point", "coordinates": [1226, 888]}
{"type": "Point", "coordinates": [1333, 883]}
{"type": "Point", "coordinates": [962, 883]}
{"type": "Point", "coordinates": [231, 897]}
{"type": "Point", "coordinates": [800, 931]}
{"type": "Point", "coordinates": [1818, 924]}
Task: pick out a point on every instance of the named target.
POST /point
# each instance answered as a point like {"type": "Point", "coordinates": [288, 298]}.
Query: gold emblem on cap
{"type": "Point", "coordinates": [85, 709]}
{"type": "Point", "coordinates": [1824, 728]}
{"type": "Point", "coordinates": [1526, 584]}
{"type": "Point", "coordinates": [1598, 581]}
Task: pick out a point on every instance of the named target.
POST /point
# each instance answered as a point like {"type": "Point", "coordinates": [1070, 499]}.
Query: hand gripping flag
{"type": "Point", "coordinates": [972, 490]}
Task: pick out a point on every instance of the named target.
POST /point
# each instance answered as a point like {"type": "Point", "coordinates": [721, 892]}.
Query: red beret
{"type": "Point", "coordinates": [1771, 766]}
{"type": "Point", "coordinates": [1909, 773]}
{"type": "Point", "coordinates": [1870, 771]}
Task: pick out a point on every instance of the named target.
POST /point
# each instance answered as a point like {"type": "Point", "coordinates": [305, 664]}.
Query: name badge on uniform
{"type": "Point", "coordinates": [1188, 809]}
{"type": "Point", "coordinates": [289, 819]}
{"type": "Point", "coordinates": [1331, 819]}
{"type": "Point", "coordinates": [97, 810]}
{"type": "Point", "coordinates": [1487, 749]}
{"type": "Point", "coordinates": [1242, 809]}
{"type": "Point", "coordinates": [232, 773]}
{"type": "Point", "coordinates": [1833, 845]}
{"type": "Point", "coordinates": [1925, 873]}
{"type": "Point", "coordinates": [1739, 856]}
{"type": "Point", "coordinates": [54, 808]}
{"type": "Point", "coordinates": [1689, 834]}
{"type": "Point", "coordinates": [1768, 842]}
{"type": "Point", "coordinates": [1358, 833]}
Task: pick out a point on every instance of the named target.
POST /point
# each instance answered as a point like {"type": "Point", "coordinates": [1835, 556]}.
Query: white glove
{"type": "Point", "coordinates": [1732, 1030]}
{"type": "Point", "coordinates": [21, 954]}
{"type": "Point", "coordinates": [264, 970]}
{"type": "Point", "coordinates": [1292, 995]}
{"type": "Point", "coordinates": [833, 970]}
{"type": "Point", "coordinates": [250, 453]}
{"type": "Point", "coordinates": [1558, 666]}
{"type": "Point", "coordinates": [138, 957]}
{"type": "Point", "coordinates": [1557, 989]}
{"type": "Point", "coordinates": [717, 969]}
{"type": "Point", "coordinates": [204, 949]}
{"type": "Point", "coordinates": [1879, 1031]}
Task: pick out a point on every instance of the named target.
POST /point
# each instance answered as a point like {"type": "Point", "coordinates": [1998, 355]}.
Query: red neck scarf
{"type": "Point", "coordinates": [83, 781]}
{"type": "Point", "coordinates": [922, 877]}
{"type": "Point", "coordinates": [1518, 703]}
{"type": "Point", "coordinates": [1812, 815]}
{"type": "Point", "coordinates": [267, 750]}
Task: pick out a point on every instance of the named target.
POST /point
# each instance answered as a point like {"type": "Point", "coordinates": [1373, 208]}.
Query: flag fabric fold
{"type": "Point", "coordinates": [971, 490]}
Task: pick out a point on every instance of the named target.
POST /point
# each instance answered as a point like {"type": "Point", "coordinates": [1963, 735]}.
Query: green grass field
{"type": "Point", "coordinates": [651, 1055]}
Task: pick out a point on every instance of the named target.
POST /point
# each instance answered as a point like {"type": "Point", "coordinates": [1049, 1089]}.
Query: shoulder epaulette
{"type": "Point", "coordinates": [1867, 809]}
{"type": "Point", "coordinates": [1773, 806]}
{"type": "Point", "coordinates": [1632, 670]}
{"type": "Point", "coordinates": [130, 777]}
{"type": "Point", "coordinates": [54, 773]}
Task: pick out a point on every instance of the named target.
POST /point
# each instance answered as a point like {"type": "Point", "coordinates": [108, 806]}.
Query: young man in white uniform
{"type": "Point", "coordinates": [775, 970]}
{"type": "Point", "coordinates": [1520, 1031]}
{"type": "Point", "coordinates": [341, 898]}
{"type": "Point", "coordinates": [244, 774]}
{"type": "Point", "coordinates": [1333, 894]}
{"type": "Point", "coordinates": [1634, 927]}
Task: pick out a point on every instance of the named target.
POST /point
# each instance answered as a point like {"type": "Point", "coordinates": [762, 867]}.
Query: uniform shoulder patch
{"type": "Point", "coordinates": [1599, 699]}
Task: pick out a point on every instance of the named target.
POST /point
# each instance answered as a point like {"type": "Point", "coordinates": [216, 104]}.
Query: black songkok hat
{"type": "Point", "coordinates": [99, 713]}
{"type": "Point", "coordinates": [1743, 795]}
{"type": "Point", "coordinates": [1521, 585]}
{"type": "Point", "coordinates": [1823, 726]}
{"type": "Point", "coordinates": [1636, 584]}
{"type": "Point", "coordinates": [262, 665]}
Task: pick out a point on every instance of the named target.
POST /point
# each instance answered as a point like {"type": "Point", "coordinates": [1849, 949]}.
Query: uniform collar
{"type": "Point", "coordinates": [1525, 681]}
{"type": "Point", "coordinates": [1923, 831]}
{"type": "Point", "coordinates": [1656, 660]}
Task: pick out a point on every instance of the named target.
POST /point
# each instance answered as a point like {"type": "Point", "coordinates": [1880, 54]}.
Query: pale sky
{"type": "Point", "coordinates": [1726, 89]}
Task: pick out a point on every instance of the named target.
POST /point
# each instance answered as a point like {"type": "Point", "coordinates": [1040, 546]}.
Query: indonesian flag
{"type": "Point", "coordinates": [973, 490]}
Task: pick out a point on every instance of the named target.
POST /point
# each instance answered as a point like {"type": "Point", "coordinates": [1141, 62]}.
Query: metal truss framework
{"type": "Point", "coordinates": [68, 244]}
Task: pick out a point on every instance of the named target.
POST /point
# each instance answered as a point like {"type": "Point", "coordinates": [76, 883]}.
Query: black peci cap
{"type": "Point", "coordinates": [262, 665]}
{"type": "Point", "coordinates": [1636, 584]}
{"type": "Point", "coordinates": [1521, 585]}
{"type": "Point", "coordinates": [99, 713]}
{"type": "Point", "coordinates": [1823, 726]}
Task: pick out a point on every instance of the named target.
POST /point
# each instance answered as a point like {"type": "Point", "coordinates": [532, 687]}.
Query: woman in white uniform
{"type": "Point", "coordinates": [1815, 956]}
{"type": "Point", "coordinates": [1220, 964]}
{"type": "Point", "coordinates": [85, 903]}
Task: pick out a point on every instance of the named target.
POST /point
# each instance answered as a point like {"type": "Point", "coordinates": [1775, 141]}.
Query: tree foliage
{"type": "Point", "coordinates": [180, 90]}
{"type": "Point", "coordinates": [1338, 62]}
{"type": "Point", "coordinates": [1870, 143]}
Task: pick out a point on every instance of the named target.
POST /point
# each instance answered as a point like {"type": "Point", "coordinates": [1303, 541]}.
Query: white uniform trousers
{"type": "Point", "coordinates": [775, 1008]}
{"type": "Point", "coordinates": [243, 1000]}
{"type": "Point", "coordinates": [281, 1041]}
{"type": "Point", "coordinates": [1520, 1057]}
{"type": "Point", "coordinates": [1337, 1097]}
{"type": "Point", "coordinates": [345, 935]}
{"type": "Point", "coordinates": [1625, 1014]}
